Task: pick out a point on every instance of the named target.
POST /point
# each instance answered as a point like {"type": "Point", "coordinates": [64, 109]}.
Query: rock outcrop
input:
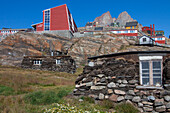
{"type": "Point", "coordinates": [123, 18]}
{"type": "Point", "coordinates": [105, 19]}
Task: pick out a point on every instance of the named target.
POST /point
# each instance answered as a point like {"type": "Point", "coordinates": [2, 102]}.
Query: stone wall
{"type": "Point", "coordinates": [118, 81]}
{"type": "Point", "coordinates": [49, 63]}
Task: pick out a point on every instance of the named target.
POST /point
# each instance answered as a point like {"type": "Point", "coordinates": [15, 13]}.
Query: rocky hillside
{"type": "Point", "coordinates": [13, 48]}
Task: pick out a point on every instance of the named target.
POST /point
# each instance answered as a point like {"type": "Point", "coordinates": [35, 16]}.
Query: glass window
{"type": "Point", "coordinates": [151, 69]}
{"type": "Point", "coordinates": [145, 72]}
{"type": "Point", "coordinates": [47, 20]}
{"type": "Point", "coordinates": [144, 39]}
{"type": "Point", "coordinates": [37, 62]}
{"type": "Point", "coordinates": [58, 61]}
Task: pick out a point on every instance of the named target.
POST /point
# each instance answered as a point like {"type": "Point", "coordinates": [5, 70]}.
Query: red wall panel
{"type": "Point", "coordinates": [59, 19]}
{"type": "Point", "coordinates": [39, 27]}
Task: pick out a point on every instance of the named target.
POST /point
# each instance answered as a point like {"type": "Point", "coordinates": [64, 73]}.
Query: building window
{"type": "Point", "coordinates": [37, 62]}
{"type": "Point", "coordinates": [47, 20]}
{"type": "Point", "coordinates": [144, 39]}
{"type": "Point", "coordinates": [151, 70]}
{"type": "Point", "coordinates": [58, 61]}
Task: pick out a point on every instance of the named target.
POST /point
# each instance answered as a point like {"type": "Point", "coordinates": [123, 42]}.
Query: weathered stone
{"type": "Point", "coordinates": [111, 85]}
{"type": "Point", "coordinates": [167, 98]}
{"type": "Point", "coordinates": [120, 98]}
{"type": "Point", "coordinates": [93, 96]}
{"type": "Point", "coordinates": [89, 84]}
{"type": "Point", "coordinates": [101, 96]}
{"type": "Point", "coordinates": [75, 90]}
{"type": "Point", "coordinates": [101, 84]}
{"type": "Point", "coordinates": [101, 75]}
{"type": "Point", "coordinates": [122, 85]}
{"type": "Point", "coordinates": [97, 87]}
{"type": "Point", "coordinates": [124, 81]}
{"type": "Point", "coordinates": [148, 109]}
{"type": "Point", "coordinates": [168, 105]}
{"type": "Point", "coordinates": [80, 100]}
{"type": "Point", "coordinates": [147, 103]}
{"type": "Point", "coordinates": [136, 99]}
{"type": "Point", "coordinates": [119, 81]}
{"type": "Point", "coordinates": [128, 97]}
{"type": "Point", "coordinates": [119, 92]}
{"type": "Point", "coordinates": [151, 98]}
{"type": "Point", "coordinates": [106, 96]}
{"type": "Point", "coordinates": [133, 81]}
{"type": "Point", "coordinates": [113, 98]}
{"type": "Point", "coordinates": [131, 92]}
{"type": "Point", "coordinates": [140, 110]}
{"type": "Point", "coordinates": [159, 102]}
{"type": "Point", "coordinates": [140, 105]}
{"type": "Point", "coordinates": [160, 109]}
{"type": "Point", "coordinates": [110, 91]}
{"type": "Point", "coordinates": [103, 80]}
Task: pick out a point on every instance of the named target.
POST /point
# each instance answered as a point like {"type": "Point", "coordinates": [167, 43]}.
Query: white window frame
{"type": "Point", "coordinates": [150, 59]}
{"type": "Point", "coordinates": [58, 61]}
{"type": "Point", "coordinates": [37, 62]}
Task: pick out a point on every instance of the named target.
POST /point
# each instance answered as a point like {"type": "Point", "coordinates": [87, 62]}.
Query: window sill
{"type": "Point", "coordinates": [148, 87]}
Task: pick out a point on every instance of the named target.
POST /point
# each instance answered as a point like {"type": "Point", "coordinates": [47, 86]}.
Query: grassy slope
{"type": "Point", "coordinates": [15, 83]}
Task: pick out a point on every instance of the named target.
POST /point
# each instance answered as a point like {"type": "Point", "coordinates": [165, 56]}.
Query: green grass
{"type": "Point", "coordinates": [5, 90]}
{"type": "Point", "coordinates": [126, 108]}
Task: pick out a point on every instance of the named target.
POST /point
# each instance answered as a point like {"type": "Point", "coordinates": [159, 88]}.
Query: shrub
{"type": "Point", "coordinates": [4, 90]}
{"type": "Point", "coordinates": [42, 98]}
{"type": "Point", "coordinates": [88, 99]}
{"type": "Point", "coordinates": [126, 108]}
{"type": "Point", "coordinates": [62, 93]}
{"type": "Point", "coordinates": [106, 104]}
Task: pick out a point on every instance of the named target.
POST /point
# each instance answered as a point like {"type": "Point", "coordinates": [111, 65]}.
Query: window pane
{"type": "Point", "coordinates": [156, 65]}
{"type": "Point", "coordinates": [145, 81]}
{"type": "Point", "coordinates": [145, 65]}
{"type": "Point", "coordinates": [157, 71]}
{"type": "Point", "coordinates": [156, 75]}
{"type": "Point", "coordinates": [157, 81]}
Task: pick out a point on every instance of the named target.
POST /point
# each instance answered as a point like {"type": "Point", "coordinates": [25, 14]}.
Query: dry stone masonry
{"type": "Point", "coordinates": [51, 63]}
{"type": "Point", "coordinates": [118, 80]}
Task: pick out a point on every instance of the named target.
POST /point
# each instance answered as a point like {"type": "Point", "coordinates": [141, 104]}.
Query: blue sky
{"type": "Point", "coordinates": [22, 13]}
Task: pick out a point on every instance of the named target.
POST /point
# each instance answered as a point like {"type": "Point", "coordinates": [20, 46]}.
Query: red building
{"type": "Point", "coordinates": [149, 30]}
{"type": "Point", "coordinates": [57, 20]}
{"type": "Point", "coordinates": [159, 39]}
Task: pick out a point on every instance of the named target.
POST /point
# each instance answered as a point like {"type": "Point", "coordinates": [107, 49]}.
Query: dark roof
{"type": "Point", "coordinates": [98, 28]}
{"type": "Point", "coordinates": [89, 24]}
{"type": "Point", "coordinates": [129, 24]}
{"type": "Point", "coordinates": [127, 53]}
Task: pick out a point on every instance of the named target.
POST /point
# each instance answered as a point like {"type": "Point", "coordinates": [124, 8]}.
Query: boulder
{"type": "Point", "coordinates": [168, 105]}
{"type": "Point", "coordinates": [124, 81]}
{"type": "Point", "coordinates": [128, 97]}
{"type": "Point", "coordinates": [160, 109]}
{"type": "Point", "coordinates": [148, 109]}
{"type": "Point", "coordinates": [101, 96]}
{"type": "Point", "coordinates": [133, 81]}
{"type": "Point", "coordinates": [131, 92]}
{"type": "Point", "coordinates": [147, 103]}
{"type": "Point", "coordinates": [110, 91]}
{"type": "Point", "coordinates": [113, 98]}
{"type": "Point", "coordinates": [159, 102]}
{"type": "Point", "coordinates": [140, 105]}
{"type": "Point", "coordinates": [111, 85]}
{"type": "Point", "coordinates": [101, 75]}
{"type": "Point", "coordinates": [97, 87]}
{"type": "Point", "coordinates": [119, 92]}
{"type": "Point", "coordinates": [167, 98]}
{"type": "Point", "coordinates": [120, 98]}
{"type": "Point", "coordinates": [136, 99]}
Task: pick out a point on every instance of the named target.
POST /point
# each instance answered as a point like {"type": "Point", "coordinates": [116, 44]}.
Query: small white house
{"type": "Point", "coordinates": [146, 40]}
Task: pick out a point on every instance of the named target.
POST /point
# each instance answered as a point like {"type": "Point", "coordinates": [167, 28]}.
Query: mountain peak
{"type": "Point", "coordinates": [123, 18]}
{"type": "Point", "coordinates": [104, 19]}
